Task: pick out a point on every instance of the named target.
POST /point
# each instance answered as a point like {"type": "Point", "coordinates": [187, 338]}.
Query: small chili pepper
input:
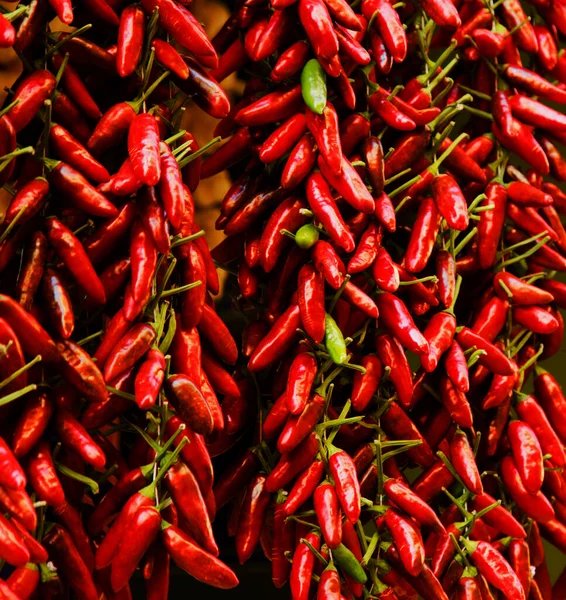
{"type": "Point", "coordinates": [251, 518]}
{"type": "Point", "coordinates": [58, 303]}
{"type": "Point", "coordinates": [302, 567]}
{"type": "Point", "coordinates": [423, 236]}
{"type": "Point", "coordinates": [299, 163]}
{"type": "Point", "coordinates": [33, 338]}
{"type": "Point", "coordinates": [365, 385]}
{"type": "Point", "coordinates": [194, 560]}
{"type": "Point", "coordinates": [290, 465]}
{"type": "Point", "coordinates": [531, 412]}
{"type": "Point", "coordinates": [527, 455]}
{"type": "Point", "coordinates": [406, 540]}
{"type": "Point", "coordinates": [534, 505]}
{"type": "Point", "coordinates": [75, 436]}
{"type": "Point", "coordinates": [464, 462]}
{"type": "Point", "coordinates": [493, 358]}
{"type": "Point", "coordinates": [494, 568]}
{"type": "Point", "coordinates": [439, 334]}
{"type": "Point", "coordinates": [272, 107]}
{"type": "Point", "coordinates": [328, 514]}
{"type": "Point", "coordinates": [65, 555]}
{"type": "Point", "coordinates": [130, 40]}
{"type": "Point", "coordinates": [187, 496]}
{"type": "Point", "coordinates": [389, 27]}
{"type": "Point", "coordinates": [143, 149]}
{"type": "Point", "coordinates": [325, 130]}
{"type": "Point", "coordinates": [397, 319]}
{"type": "Point", "coordinates": [30, 94]}
{"type": "Point", "coordinates": [304, 487]}
{"type": "Point", "coordinates": [311, 302]}
{"type": "Point", "coordinates": [343, 472]}
{"type": "Point", "coordinates": [75, 258]}
{"type": "Point", "coordinates": [300, 380]}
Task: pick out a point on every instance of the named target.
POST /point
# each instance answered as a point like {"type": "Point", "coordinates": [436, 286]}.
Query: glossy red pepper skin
{"type": "Point", "coordinates": [365, 385]}
{"type": "Point", "coordinates": [75, 436]}
{"type": "Point", "coordinates": [311, 302]}
{"type": "Point", "coordinates": [464, 462]}
{"type": "Point", "coordinates": [304, 487]}
{"type": "Point", "coordinates": [302, 567]}
{"type": "Point", "coordinates": [300, 162]}
{"type": "Point", "coordinates": [251, 518]}
{"type": "Point", "coordinates": [31, 335]}
{"type": "Point", "coordinates": [28, 200]}
{"type": "Point", "coordinates": [343, 472]}
{"type": "Point", "coordinates": [493, 358]}
{"type": "Point", "coordinates": [300, 381]}
{"type": "Point", "coordinates": [184, 488]}
{"type": "Point", "coordinates": [552, 400]}
{"type": "Point", "coordinates": [409, 502]}
{"type": "Point", "coordinates": [328, 514]}
{"type": "Point", "coordinates": [492, 318]}
{"type": "Point", "coordinates": [423, 236]}
{"type": "Point", "coordinates": [194, 560]}
{"type": "Point", "coordinates": [58, 303]}
{"type": "Point", "coordinates": [389, 27]}
{"type": "Point", "coordinates": [392, 355]}
{"type": "Point", "coordinates": [290, 465]}
{"type": "Point", "coordinates": [407, 541]}
{"type": "Point", "coordinates": [130, 348]}
{"type": "Point", "coordinates": [31, 94]}
{"type": "Point", "coordinates": [298, 427]}
{"type": "Point", "coordinates": [530, 411]}
{"type": "Point", "coordinates": [65, 555]}
{"type": "Point", "coordinates": [397, 319]}
{"type": "Point", "coordinates": [439, 334]}
{"type": "Point", "coordinates": [130, 40]}
{"type": "Point", "coordinates": [325, 130]}
{"type": "Point", "coordinates": [143, 149]}
{"type": "Point", "coordinates": [191, 404]}
{"type": "Point", "coordinates": [112, 128]}
{"type": "Point", "coordinates": [75, 258]}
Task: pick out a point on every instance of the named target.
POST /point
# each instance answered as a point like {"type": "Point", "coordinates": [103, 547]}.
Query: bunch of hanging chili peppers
{"type": "Point", "coordinates": [106, 393]}
{"type": "Point", "coordinates": [393, 233]}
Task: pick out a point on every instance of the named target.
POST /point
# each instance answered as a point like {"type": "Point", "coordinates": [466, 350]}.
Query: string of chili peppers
{"type": "Point", "coordinates": [393, 235]}
{"type": "Point", "coordinates": [105, 294]}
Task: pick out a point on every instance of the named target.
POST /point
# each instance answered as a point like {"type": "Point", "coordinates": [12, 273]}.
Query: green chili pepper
{"type": "Point", "coordinates": [349, 563]}
{"type": "Point", "coordinates": [307, 236]}
{"type": "Point", "coordinates": [313, 84]}
{"type": "Point", "coordinates": [334, 340]}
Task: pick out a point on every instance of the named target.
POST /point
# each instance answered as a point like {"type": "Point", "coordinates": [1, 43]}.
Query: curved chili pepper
{"type": "Point", "coordinates": [299, 163]}
{"type": "Point", "coordinates": [388, 25]}
{"type": "Point", "coordinates": [302, 567]}
{"type": "Point", "coordinates": [30, 94]}
{"type": "Point", "coordinates": [325, 131]}
{"type": "Point", "coordinates": [527, 455]}
{"type": "Point", "coordinates": [407, 541]}
{"type": "Point", "coordinates": [301, 377]}
{"type": "Point", "coordinates": [328, 514]}
{"type": "Point", "coordinates": [27, 201]}
{"type": "Point", "coordinates": [423, 236]}
{"type": "Point", "coordinates": [492, 358]}
{"type": "Point", "coordinates": [251, 518]}
{"type": "Point", "coordinates": [186, 493]}
{"type": "Point", "coordinates": [58, 303]}
{"type": "Point", "coordinates": [531, 412]}
{"type": "Point", "coordinates": [273, 107]}
{"type": "Point", "coordinates": [397, 319]}
{"type": "Point", "coordinates": [492, 317]}
{"type": "Point", "coordinates": [439, 334]}
{"type": "Point", "coordinates": [552, 399]}
{"type": "Point", "coordinates": [75, 436]}
{"type": "Point", "coordinates": [130, 40]}
{"type": "Point", "coordinates": [464, 462]}
{"type": "Point", "coordinates": [33, 338]}
{"type": "Point", "coordinates": [65, 555]}
{"type": "Point", "coordinates": [75, 258]}
{"type": "Point", "coordinates": [343, 472]}
{"type": "Point", "coordinates": [365, 385]}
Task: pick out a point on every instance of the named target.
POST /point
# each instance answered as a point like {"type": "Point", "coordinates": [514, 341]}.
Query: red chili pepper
{"type": "Point", "coordinates": [552, 399]}
{"type": "Point", "coordinates": [365, 385]}
{"type": "Point", "coordinates": [191, 558]}
{"type": "Point", "coordinates": [184, 488]}
{"type": "Point", "coordinates": [530, 411]}
{"type": "Point", "coordinates": [348, 184]}
{"type": "Point", "coordinates": [388, 25]}
{"type": "Point", "coordinates": [75, 436]}
{"type": "Point", "coordinates": [300, 381]}
{"type": "Point", "coordinates": [130, 40]}
{"type": "Point", "coordinates": [464, 462]}
{"type": "Point", "coordinates": [75, 186]}
{"type": "Point", "coordinates": [183, 28]}
{"type": "Point", "coordinates": [286, 216]}
{"type": "Point", "coordinates": [439, 334]}
{"type": "Point", "coordinates": [251, 518]}
{"type": "Point", "coordinates": [423, 236]}
{"type": "Point", "coordinates": [31, 93]}
{"type": "Point", "coordinates": [112, 127]}
{"type": "Point", "coordinates": [290, 465]}
{"type": "Point", "coordinates": [299, 163]}
{"type": "Point", "coordinates": [66, 557]}
{"type": "Point", "coordinates": [396, 317]}
{"type": "Point", "coordinates": [537, 506]}
{"type": "Point", "coordinates": [493, 358]}
{"type": "Point", "coordinates": [27, 201]}
{"type": "Point", "coordinates": [328, 514]}
{"type": "Point", "coordinates": [58, 303]}
{"type": "Point", "coordinates": [343, 472]}
{"type": "Point", "coordinates": [33, 338]}
{"type": "Point", "coordinates": [407, 541]}
{"type": "Point", "coordinates": [143, 149]}
{"type": "Point", "coordinates": [535, 319]}
{"type": "Point", "coordinates": [273, 107]}
{"type": "Point", "coordinates": [527, 455]}
{"type": "Point", "coordinates": [492, 317]}
{"type": "Point", "coordinates": [325, 130]}
{"type": "Point", "coordinates": [75, 258]}
{"type": "Point", "coordinates": [303, 566]}
{"type": "Point", "coordinates": [76, 89]}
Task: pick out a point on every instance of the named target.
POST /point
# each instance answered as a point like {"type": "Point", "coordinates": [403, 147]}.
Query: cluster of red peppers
{"type": "Point", "coordinates": [106, 397]}
{"type": "Point", "coordinates": [393, 233]}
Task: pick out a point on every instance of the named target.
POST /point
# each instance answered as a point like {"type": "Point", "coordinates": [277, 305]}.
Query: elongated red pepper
{"type": "Point", "coordinates": [30, 94]}
{"type": "Point", "coordinates": [65, 555]}
{"type": "Point", "coordinates": [130, 40]}
{"type": "Point", "coordinates": [302, 567]}
{"type": "Point", "coordinates": [143, 149]}
{"type": "Point", "coordinates": [396, 317]}
{"type": "Point", "coordinates": [251, 518]}
{"type": "Point", "coordinates": [493, 358]}
{"type": "Point", "coordinates": [343, 472]}
{"type": "Point", "coordinates": [75, 258]}
{"type": "Point", "coordinates": [407, 541]}
{"type": "Point", "coordinates": [423, 236]}
{"type": "Point", "coordinates": [388, 25]}
{"type": "Point", "coordinates": [27, 201]}
{"type": "Point", "coordinates": [325, 130]}
{"type": "Point", "coordinates": [530, 411]}
{"type": "Point", "coordinates": [311, 302]}
{"type": "Point", "coordinates": [328, 514]}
